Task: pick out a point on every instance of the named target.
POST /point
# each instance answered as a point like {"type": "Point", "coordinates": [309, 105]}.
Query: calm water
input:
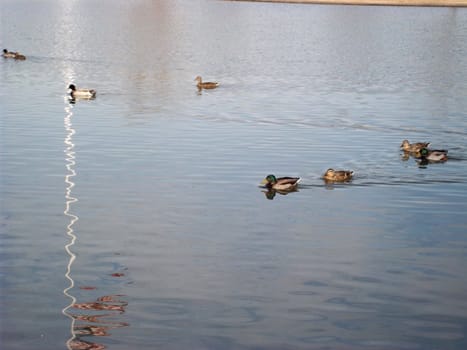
{"type": "Point", "coordinates": [135, 220]}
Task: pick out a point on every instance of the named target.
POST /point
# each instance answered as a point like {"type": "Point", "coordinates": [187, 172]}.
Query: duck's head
{"type": "Point", "coordinates": [269, 180]}
{"type": "Point", "coordinates": [72, 87]}
{"type": "Point", "coordinates": [198, 79]}
{"type": "Point", "coordinates": [329, 172]}
{"type": "Point", "coordinates": [5, 51]}
{"type": "Point", "coordinates": [423, 152]}
{"type": "Point", "coordinates": [405, 143]}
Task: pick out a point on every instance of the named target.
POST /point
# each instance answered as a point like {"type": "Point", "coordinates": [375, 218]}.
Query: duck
{"type": "Point", "coordinates": [81, 93]}
{"type": "Point", "coordinates": [406, 146]}
{"type": "Point", "coordinates": [19, 56]}
{"type": "Point", "coordinates": [281, 183]}
{"type": "Point", "coordinates": [11, 54]}
{"type": "Point", "coordinates": [337, 175]}
{"type": "Point", "coordinates": [205, 85]}
{"type": "Point", "coordinates": [8, 54]}
{"type": "Point", "coordinates": [433, 156]}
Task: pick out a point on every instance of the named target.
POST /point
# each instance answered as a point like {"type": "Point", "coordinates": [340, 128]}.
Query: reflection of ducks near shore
{"type": "Point", "coordinates": [332, 175]}
{"type": "Point", "coordinates": [107, 303]}
{"type": "Point", "coordinates": [79, 344]}
{"type": "Point", "coordinates": [95, 324]}
{"type": "Point", "coordinates": [14, 55]}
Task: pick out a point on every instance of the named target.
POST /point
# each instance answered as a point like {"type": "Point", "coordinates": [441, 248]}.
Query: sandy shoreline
{"type": "Point", "coordinates": [450, 3]}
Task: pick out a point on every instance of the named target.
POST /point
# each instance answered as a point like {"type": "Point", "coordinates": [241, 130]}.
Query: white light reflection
{"type": "Point", "coordinates": [69, 199]}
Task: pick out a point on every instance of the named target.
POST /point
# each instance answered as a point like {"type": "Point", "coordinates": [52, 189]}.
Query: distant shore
{"type": "Point", "coordinates": [448, 3]}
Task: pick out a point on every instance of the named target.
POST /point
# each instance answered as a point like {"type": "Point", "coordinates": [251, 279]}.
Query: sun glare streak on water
{"type": "Point", "coordinates": [69, 200]}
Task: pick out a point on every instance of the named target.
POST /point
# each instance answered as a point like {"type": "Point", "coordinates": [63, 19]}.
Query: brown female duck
{"type": "Point", "coordinates": [406, 146]}
{"type": "Point", "coordinates": [337, 175]}
{"type": "Point", "coordinates": [205, 85]}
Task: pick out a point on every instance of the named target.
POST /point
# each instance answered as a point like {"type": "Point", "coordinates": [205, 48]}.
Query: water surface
{"type": "Point", "coordinates": [135, 220]}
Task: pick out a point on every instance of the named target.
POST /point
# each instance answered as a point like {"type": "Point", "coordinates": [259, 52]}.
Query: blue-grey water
{"type": "Point", "coordinates": [135, 220]}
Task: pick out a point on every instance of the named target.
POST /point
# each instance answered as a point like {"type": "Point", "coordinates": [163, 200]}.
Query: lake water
{"type": "Point", "coordinates": [135, 220]}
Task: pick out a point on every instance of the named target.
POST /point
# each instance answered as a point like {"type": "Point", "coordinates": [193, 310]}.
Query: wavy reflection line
{"type": "Point", "coordinates": [69, 200]}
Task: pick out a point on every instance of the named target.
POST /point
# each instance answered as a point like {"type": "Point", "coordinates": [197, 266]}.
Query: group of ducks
{"type": "Point", "coordinates": [283, 184]}
{"type": "Point", "coordinates": [417, 150]}
{"type": "Point", "coordinates": [14, 55]}
{"type": "Point", "coordinates": [91, 93]}
{"type": "Point", "coordinates": [289, 184]}
{"type": "Point", "coordinates": [420, 151]}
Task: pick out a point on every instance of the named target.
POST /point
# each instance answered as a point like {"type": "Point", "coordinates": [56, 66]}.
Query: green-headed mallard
{"type": "Point", "coordinates": [281, 183]}
{"type": "Point", "coordinates": [81, 93]}
{"type": "Point", "coordinates": [205, 85]}
{"type": "Point", "coordinates": [435, 155]}
{"type": "Point", "coordinates": [337, 175]}
{"type": "Point", "coordinates": [406, 146]}
{"type": "Point", "coordinates": [11, 54]}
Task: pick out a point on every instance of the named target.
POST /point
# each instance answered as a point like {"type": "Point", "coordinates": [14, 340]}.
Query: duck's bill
{"type": "Point", "coordinates": [264, 182]}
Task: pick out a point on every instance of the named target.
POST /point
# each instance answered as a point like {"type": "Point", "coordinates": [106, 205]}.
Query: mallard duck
{"type": "Point", "coordinates": [406, 146]}
{"type": "Point", "coordinates": [81, 93]}
{"type": "Point", "coordinates": [11, 54]}
{"type": "Point", "coordinates": [205, 85]}
{"type": "Point", "coordinates": [435, 155]}
{"type": "Point", "coordinates": [8, 54]}
{"type": "Point", "coordinates": [337, 175]}
{"type": "Point", "coordinates": [281, 183]}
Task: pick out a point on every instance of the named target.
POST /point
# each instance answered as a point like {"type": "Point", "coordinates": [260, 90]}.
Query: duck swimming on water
{"type": "Point", "coordinates": [11, 54]}
{"type": "Point", "coordinates": [281, 183]}
{"type": "Point", "coordinates": [415, 147]}
{"type": "Point", "coordinates": [205, 85]}
{"type": "Point", "coordinates": [8, 54]}
{"type": "Point", "coordinates": [433, 156]}
{"type": "Point", "coordinates": [337, 175]}
{"type": "Point", "coordinates": [81, 93]}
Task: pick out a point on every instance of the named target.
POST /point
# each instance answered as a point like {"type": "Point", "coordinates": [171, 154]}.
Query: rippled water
{"type": "Point", "coordinates": [135, 220]}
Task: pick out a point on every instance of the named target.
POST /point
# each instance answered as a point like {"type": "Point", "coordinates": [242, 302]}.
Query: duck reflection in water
{"type": "Point", "coordinates": [108, 302]}
{"type": "Point", "coordinates": [72, 100]}
{"type": "Point", "coordinates": [271, 193]}
{"type": "Point", "coordinates": [96, 325]}
{"type": "Point", "coordinates": [77, 344]}
{"type": "Point", "coordinates": [405, 156]}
